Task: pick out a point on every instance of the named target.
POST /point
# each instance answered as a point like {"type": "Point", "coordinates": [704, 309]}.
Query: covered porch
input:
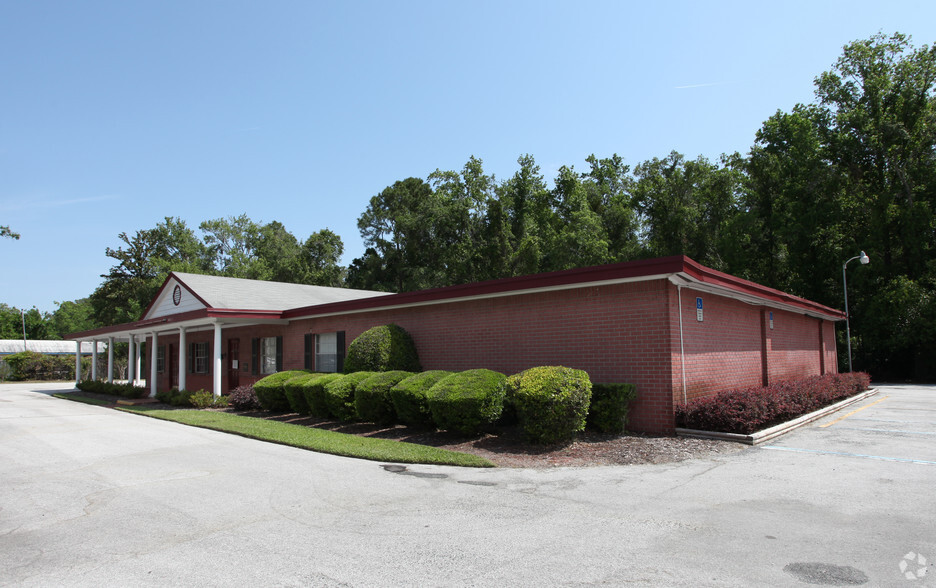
{"type": "Point", "coordinates": [167, 353]}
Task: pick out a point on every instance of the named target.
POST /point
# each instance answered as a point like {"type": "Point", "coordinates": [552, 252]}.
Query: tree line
{"type": "Point", "coordinates": [854, 170]}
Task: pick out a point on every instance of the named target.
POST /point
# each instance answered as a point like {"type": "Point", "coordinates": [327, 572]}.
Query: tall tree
{"type": "Point", "coordinates": [410, 228]}
{"type": "Point", "coordinates": [609, 189]}
{"type": "Point", "coordinates": [580, 238]}
{"type": "Point", "coordinates": [687, 206]}
{"type": "Point", "coordinates": [5, 231]}
{"type": "Point", "coordinates": [530, 210]}
{"type": "Point", "coordinates": [881, 97]}
{"type": "Point", "coordinates": [321, 257]}
{"type": "Point", "coordinates": [71, 317]}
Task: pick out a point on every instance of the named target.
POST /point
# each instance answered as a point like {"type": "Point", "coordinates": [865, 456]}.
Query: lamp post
{"type": "Point", "coordinates": [864, 261]}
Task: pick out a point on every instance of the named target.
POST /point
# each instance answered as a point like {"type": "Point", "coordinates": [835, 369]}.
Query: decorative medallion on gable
{"type": "Point", "coordinates": [174, 299]}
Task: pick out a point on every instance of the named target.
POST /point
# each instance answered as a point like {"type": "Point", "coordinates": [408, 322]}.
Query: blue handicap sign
{"type": "Point", "coordinates": [698, 303]}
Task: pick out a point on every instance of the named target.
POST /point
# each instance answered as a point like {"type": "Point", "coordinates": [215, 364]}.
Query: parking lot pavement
{"type": "Point", "coordinates": [898, 424]}
{"type": "Point", "coordinates": [94, 497]}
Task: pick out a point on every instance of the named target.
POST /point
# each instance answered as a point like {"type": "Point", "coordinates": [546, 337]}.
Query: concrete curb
{"type": "Point", "coordinates": [782, 428]}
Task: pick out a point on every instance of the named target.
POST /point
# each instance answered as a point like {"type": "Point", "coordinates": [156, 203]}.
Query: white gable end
{"type": "Point", "coordinates": [174, 299]}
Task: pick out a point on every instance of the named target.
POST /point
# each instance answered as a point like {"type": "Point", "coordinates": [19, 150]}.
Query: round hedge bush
{"type": "Point", "coordinates": [382, 349]}
{"type": "Point", "coordinates": [609, 405]}
{"type": "Point", "coordinates": [270, 392]}
{"type": "Point", "coordinates": [314, 392]}
{"type": "Point", "coordinates": [294, 387]}
{"type": "Point", "coordinates": [552, 402]}
{"type": "Point", "coordinates": [339, 395]}
{"type": "Point", "coordinates": [372, 397]}
{"type": "Point", "coordinates": [410, 399]}
{"type": "Point", "coordinates": [466, 401]}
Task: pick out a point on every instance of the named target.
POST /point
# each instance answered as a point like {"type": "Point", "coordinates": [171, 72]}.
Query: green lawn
{"type": "Point", "coordinates": [84, 399]}
{"type": "Point", "coordinates": [313, 439]}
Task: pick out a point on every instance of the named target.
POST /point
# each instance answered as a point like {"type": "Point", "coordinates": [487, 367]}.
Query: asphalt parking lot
{"type": "Point", "coordinates": [94, 497]}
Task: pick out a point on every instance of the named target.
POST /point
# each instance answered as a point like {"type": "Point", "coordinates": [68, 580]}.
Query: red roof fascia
{"type": "Point", "coordinates": [600, 273]}
{"type": "Point", "coordinates": [202, 313]}
{"type": "Point", "coordinates": [710, 276]}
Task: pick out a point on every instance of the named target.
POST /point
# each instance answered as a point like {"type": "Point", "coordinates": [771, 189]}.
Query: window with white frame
{"type": "Point", "coordinates": [161, 359]}
{"type": "Point", "coordinates": [268, 355]}
{"type": "Point", "coordinates": [326, 352]}
{"type": "Point", "coordinates": [200, 357]}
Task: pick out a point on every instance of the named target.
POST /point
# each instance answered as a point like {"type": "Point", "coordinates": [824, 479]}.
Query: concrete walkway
{"type": "Point", "coordinates": [94, 497]}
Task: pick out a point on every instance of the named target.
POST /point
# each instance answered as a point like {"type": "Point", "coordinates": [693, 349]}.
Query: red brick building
{"type": "Point", "coordinates": [674, 328]}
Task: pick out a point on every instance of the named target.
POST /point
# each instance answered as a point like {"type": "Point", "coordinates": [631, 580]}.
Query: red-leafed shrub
{"type": "Point", "coordinates": [752, 409]}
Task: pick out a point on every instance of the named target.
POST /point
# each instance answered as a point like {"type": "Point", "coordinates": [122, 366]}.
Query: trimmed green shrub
{"type": "Point", "coordinates": [372, 397]}
{"type": "Point", "coordinates": [410, 399]}
{"type": "Point", "coordinates": [609, 406]}
{"type": "Point", "coordinates": [204, 399]}
{"type": "Point", "coordinates": [314, 391]}
{"type": "Point", "coordinates": [466, 401]}
{"type": "Point", "coordinates": [551, 402]}
{"type": "Point", "coordinates": [339, 395]}
{"type": "Point", "coordinates": [30, 365]}
{"type": "Point", "coordinates": [294, 389]}
{"type": "Point", "coordinates": [175, 397]}
{"type": "Point", "coordinates": [382, 349]}
{"type": "Point", "coordinates": [123, 390]}
{"type": "Point", "coordinates": [270, 392]}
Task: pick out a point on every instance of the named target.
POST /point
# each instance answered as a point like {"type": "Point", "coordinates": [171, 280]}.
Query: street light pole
{"type": "Point", "coordinates": [864, 261]}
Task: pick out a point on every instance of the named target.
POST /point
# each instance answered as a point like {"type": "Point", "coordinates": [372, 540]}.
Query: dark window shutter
{"type": "Point", "coordinates": [339, 350]}
{"type": "Point", "coordinates": [308, 351]}
{"type": "Point", "coordinates": [209, 359]}
{"type": "Point", "coordinates": [255, 356]}
{"type": "Point", "coordinates": [279, 354]}
{"type": "Point", "coordinates": [190, 357]}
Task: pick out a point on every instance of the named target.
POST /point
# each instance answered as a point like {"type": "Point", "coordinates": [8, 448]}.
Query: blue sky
{"type": "Point", "coordinates": [118, 114]}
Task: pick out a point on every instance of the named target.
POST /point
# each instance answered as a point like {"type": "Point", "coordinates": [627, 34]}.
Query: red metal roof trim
{"type": "Point", "coordinates": [599, 273]}
{"type": "Point", "coordinates": [708, 275]}
{"type": "Point", "coordinates": [202, 313]}
{"type": "Point", "coordinates": [663, 266]}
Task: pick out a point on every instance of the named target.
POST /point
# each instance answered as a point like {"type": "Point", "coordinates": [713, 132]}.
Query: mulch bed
{"type": "Point", "coordinates": [505, 446]}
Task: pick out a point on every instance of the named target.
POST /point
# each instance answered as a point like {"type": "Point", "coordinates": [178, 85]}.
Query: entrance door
{"type": "Point", "coordinates": [233, 364]}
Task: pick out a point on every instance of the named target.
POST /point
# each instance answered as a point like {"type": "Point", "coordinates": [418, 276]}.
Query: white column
{"type": "Point", "coordinates": [217, 360]}
{"type": "Point", "coordinates": [138, 369]}
{"type": "Point", "coordinates": [94, 359]}
{"type": "Point", "coordinates": [77, 362]}
{"type": "Point", "coordinates": [153, 372]}
{"type": "Point", "coordinates": [183, 355]}
{"type": "Point", "coordinates": [110, 360]}
{"type": "Point", "coordinates": [131, 360]}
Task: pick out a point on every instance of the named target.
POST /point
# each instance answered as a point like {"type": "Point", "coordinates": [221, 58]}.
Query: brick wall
{"type": "Point", "coordinates": [735, 347]}
{"type": "Point", "coordinates": [615, 333]}
{"type": "Point", "coordinates": [620, 333]}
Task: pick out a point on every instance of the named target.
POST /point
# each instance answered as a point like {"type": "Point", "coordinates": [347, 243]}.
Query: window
{"type": "Point", "coordinates": [329, 352]}
{"type": "Point", "coordinates": [200, 358]}
{"type": "Point", "coordinates": [268, 355]}
{"type": "Point", "coordinates": [161, 359]}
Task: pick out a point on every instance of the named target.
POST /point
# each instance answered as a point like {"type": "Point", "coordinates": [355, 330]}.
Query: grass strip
{"type": "Point", "coordinates": [84, 399]}
{"type": "Point", "coordinates": [315, 439]}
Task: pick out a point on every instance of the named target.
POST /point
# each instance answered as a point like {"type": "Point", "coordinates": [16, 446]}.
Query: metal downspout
{"type": "Point", "coordinates": [682, 347]}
